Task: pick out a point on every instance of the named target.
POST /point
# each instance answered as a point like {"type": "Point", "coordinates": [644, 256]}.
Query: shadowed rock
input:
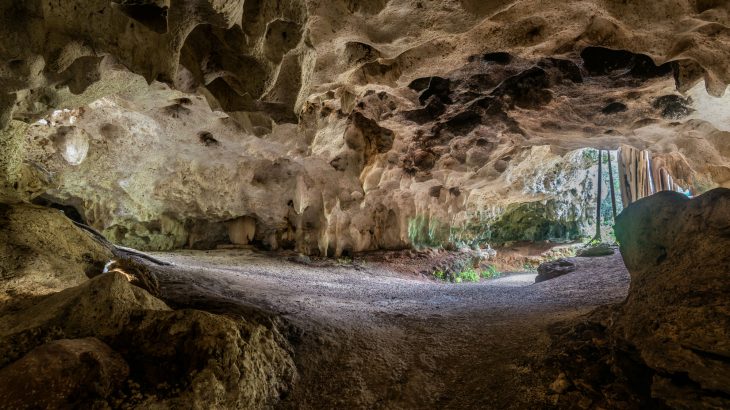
{"type": "Point", "coordinates": [553, 269]}
{"type": "Point", "coordinates": [62, 374]}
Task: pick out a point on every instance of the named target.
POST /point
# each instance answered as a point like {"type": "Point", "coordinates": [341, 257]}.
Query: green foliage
{"type": "Point", "coordinates": [490, 272]}
{"type": "Point", "coordinates": [467, 275]}
{"type": "Point", "coordinates": [429, 232]}
{"type": "Point", "coordinates": [528, 267]}
{"type": "Point", "coordinates": [344, 260]}
{"type": "Point", "coordinates": [606, 209]}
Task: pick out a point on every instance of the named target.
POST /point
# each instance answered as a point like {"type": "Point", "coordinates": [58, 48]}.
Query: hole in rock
{"type": "Point", "coordinates": [498, 57]}
{"type": "Point", "coordinates": [149, 13]}
{"type": "Point", "coordinates": [71, 211]}
{"type": "Point", "coordinates": [602, 61]}
{"type": "Point", "coordinates": [207, 139]}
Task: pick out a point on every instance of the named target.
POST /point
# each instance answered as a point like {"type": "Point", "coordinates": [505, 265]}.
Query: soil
{"type": "Point", "coordinates": [367, 334]}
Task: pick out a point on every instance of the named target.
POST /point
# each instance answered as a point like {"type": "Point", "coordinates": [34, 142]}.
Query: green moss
{"type": "Point", "coordinates": [535, 221]}
{"type": "Point", "coordinates": [153, 236]}
{"type": "Point", "coordinates": [428, 232]}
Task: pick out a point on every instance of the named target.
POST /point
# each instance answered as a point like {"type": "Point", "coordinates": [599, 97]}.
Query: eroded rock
{"type": "Point", "coordinates": [41, 251]}
{"type": "Point", "coordinates": [227, 362]}
{"type": "Point", "coordinates": [676, 315]}
{"type": "Point", "coordinates": [667, 344]}
{"type": "Point", "coordinates": [64, 373]}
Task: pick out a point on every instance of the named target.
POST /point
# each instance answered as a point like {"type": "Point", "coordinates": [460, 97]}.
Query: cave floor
{"type": "Point", "coordinates": [371, 337]}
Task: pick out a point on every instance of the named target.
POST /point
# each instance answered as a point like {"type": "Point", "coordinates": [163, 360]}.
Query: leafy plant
{"type": "Point", "coordinates": [344, 260]}
{"type": "Point", "coordinates": [490, 272]}
{"type": "Point", "coordinates": [440, 275]}
{"type": "Point", "coordinates": [468, 275]}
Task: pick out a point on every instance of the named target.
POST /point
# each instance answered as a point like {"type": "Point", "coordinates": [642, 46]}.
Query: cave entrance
{"type": "Point", "coordinates": [630, 174]}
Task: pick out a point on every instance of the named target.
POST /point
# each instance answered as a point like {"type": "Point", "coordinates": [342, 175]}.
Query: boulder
{"type": "Point", "coordinates": [593, 251]}
{"type": "Point", "coordinates": [42, 251]}
{"type": "Point", "coordinates": [177, 359]}
{"type": "Point", "coordinates": [677, 314]}
{"type": "Point", "coordinates": [553, 269]}
{"type": "Point", "coordinates": [62, 374]}
{"type": "Point", "coordinates": [668, 344]}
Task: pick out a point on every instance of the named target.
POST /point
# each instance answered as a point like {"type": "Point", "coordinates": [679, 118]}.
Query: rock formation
{"type": "Point", "coordinates": [106, 327]}
{"type": "Point", "coordinates": [676, 315]}
{"type": "Point", "coordinates": [553, 269]}
{"type": "Point", "coordinates": [340, 127]}
{"type": "Point", "coordinates": [667, 344]}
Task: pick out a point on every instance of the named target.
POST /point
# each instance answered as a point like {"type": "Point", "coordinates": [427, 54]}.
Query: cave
{"type": "Point", "coordinates": [385, 204]}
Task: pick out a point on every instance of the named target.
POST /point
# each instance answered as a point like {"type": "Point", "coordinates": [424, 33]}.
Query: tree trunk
{"type": "Point", "coordinates": [613, 193]}
{"type": "Point", "coordinates": [597, 238]}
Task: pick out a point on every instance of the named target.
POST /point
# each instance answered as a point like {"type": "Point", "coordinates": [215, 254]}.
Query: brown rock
{"type": "Point", "coordinates": [61, 374]}
{"type": "Point", "coordinates": [553, 269]}
{"type": "Point", "coordinates": [677, 315]}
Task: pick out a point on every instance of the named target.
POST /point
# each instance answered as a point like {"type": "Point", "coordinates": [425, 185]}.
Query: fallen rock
{"type": "Point", "coordinates": [601, 249]}
{"type": "Point", "coordinates": [553, 269]}
{"type": "Point", "coordinates": [62, 374]}
{"type": "Point", "coordinates": [136, 273]}
{"type": "Point", "coordinates": [227, 363]}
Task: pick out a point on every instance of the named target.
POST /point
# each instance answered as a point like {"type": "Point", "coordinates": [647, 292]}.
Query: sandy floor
{"type": "Point", "coordinates": [369, 337]}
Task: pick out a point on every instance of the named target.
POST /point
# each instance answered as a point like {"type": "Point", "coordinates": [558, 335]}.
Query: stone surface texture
{"type": "Point", "coordinates": [667, 345]}
{"type": "Point", "coordinates": [677, 315]}
{"type": "Point", "coordinates": [229, 362]}
{"type": "Point", "coordinates": [41, 252]}
{"type": "Point", "coordinates": [344, 126]}
{"type": "Point", "coordinates": [64, 373]}
{"type": "Point", "coordinates": [553, 269]}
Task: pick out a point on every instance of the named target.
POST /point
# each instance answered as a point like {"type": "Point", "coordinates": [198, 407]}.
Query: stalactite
{"type": "Point", "coordinates": [641, 173]}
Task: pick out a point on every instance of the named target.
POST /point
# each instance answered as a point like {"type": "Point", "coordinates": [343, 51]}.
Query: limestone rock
{"type": "Point", "coordinates": [229, 363]}
{"type": "Point", "coordinates": [136, 273]}
{"type": "Point", "coordinates": [553, 269]}
{"type": "Point", "coordinates": [64, 373]}
{"type": "Point", "coordinates": [241, 231]}
{"type": "Point", "coordinates": [41, 251]}
{"type": "Point", "coordinates": [668, 344]}
{"type": "Point", "coordinates": [676, 315]}
{"type": "Point", "coordinates": [592, 251]}
{"type": "Point", "coordinates": [318, 120]}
